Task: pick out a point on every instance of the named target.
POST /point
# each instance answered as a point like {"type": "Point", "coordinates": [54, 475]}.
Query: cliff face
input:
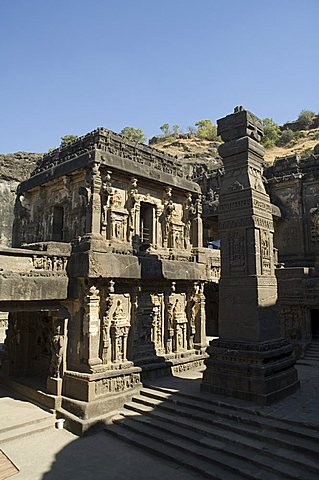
{"type": "Point", "coordinates": [14, 167]}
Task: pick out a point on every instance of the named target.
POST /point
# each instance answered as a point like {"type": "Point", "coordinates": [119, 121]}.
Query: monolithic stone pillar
{"type": "Point", "coordinates": [91, 327]}
{"type": "Point", "coordinates": [198, 224]}
{"type": "Point", "coordinates": [249, 360]}
{"type": "Point", "coordinates": [93, 222]}
{"type": "Point", "coordinates": [199, 316]}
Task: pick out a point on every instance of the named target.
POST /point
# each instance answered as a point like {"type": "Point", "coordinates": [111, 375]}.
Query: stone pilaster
{"type": "Point", "coordinates": [93, 226]}
{"type": "Point", "coordinates": [249, 360]}
{"type": "Point", "coordinates": [91, 328]}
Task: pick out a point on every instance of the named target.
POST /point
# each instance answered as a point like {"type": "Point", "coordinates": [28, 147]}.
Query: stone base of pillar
{"type": "Point", "coordinates": [258, 372]}
{"type": "Point", "coordinates": [54, 386]}
{"type": "Point", "coordinates": [92, 399]}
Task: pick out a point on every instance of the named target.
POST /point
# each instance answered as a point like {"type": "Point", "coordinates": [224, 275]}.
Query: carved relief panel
{"type": "Point", "coordinates": [237, 251]}
{"type": "Point", "coordinates": [149, 325]}
{"type": "Point", "coordinates": [176, 323]}
{"type": "Point", "coordinates": [116, 323]}
{"type": "Point", "coordinates": [265, 252]}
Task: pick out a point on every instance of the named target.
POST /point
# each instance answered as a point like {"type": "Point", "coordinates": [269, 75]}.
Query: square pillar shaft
{"type": "Point", "coordinates": [249, 360]}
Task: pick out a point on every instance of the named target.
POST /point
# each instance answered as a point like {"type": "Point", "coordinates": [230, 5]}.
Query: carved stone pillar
{"type": "Point", "coordinates": [93, 216]}
{"type": "Point", "coordinates": [169, 334]}
{"type": "Point", "coordinates": [198, 223]}
{"type": "Point", "coordinates": [249, 360]}
{"type": "Point", "coordinates": [198, 316]}
{"type": "Point", "coordinates": [105, 193]}
{"type": "Point", "coordinates": [105, 326]}
{"type": "Point", "coordinates": [157, 230]}
{"type": "Point", "coordinates": [91, 327]}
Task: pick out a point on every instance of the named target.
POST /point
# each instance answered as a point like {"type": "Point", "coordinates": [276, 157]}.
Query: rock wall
{"type": "Point", "coordinates": [14, 167]}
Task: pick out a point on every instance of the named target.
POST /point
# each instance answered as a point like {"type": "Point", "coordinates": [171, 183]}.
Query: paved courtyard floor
{"type": "Point", "coordinates": [60, 455]}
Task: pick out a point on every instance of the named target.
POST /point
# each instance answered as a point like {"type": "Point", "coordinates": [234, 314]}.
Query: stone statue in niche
{"type": "Point", "coordinates": [130, 205]}
{"type": "Point", "coordinates": [105, 194]}
{"type": "Point", "coordinates": [12, 335]}
{"type": "Point", "coordinates": [105, 324]}
{"type": "Point", "coordinates": [195, 311]}
{"type": "Point", "coordinates": [57, 344]}
{"type": "Point", "coordinates": [119, 332]}
{"type": "Point", "coordinates": [265, 252]}
{"type": "Point", "coordinates": [116, 199]}
{"type": "Point", "coordinates": [179, 323]}
{"type": "Point", "coordinates": [170, 319]}
{"type": "Point", "coordinates": [189, 213]}
{"type": "Point", "coordinates": [237, 256]}
{"type": "Point", "coordinates": [167, 215]}
{"type": "Point", "coordinates": [314, 223]}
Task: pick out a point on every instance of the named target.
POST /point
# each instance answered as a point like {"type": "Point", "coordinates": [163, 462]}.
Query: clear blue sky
{"type": "Point", "coordinates": [69, 66]}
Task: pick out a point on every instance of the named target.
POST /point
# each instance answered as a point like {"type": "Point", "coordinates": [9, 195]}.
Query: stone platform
{"type": "Point", "coordinates": [61, 454]}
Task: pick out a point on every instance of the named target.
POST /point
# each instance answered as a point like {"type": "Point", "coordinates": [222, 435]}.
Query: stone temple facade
{"type": "Point", "coordinates": [104, 284]}
{"type": "Point", "coordinates": [109, 280]}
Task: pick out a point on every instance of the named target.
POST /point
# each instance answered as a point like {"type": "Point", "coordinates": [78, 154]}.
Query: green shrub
{"type": "Point", "coordinates": [165, 129]}
{"type": "Point", "coordinates": [271, 133]}
{"type": "Point", "coordinates": [285, 138]}
{"type": "Point", "coordinates": [66, 139]}
{"type": "Point", "coordinates": [306, 118]}
{"type": "Point", "coordinates": [207, 129]}
{"type": "Point", "coordinates": [134, 134]}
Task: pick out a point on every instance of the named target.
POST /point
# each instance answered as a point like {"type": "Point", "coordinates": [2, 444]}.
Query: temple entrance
{"type": "Point", "coordinates": [146, 223]}
{"type": "Point", "coordinates": [314, 316]}
{"type": "Point", "coordinates": [35, 351]}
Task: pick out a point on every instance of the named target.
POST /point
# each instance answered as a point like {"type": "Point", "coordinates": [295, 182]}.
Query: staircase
{"type": "Point", "coordinates": [217, 440]}
{"type": "Point", "coordinates": [312, 351]}
{"type": "Point", "coordinates": [20, 418]}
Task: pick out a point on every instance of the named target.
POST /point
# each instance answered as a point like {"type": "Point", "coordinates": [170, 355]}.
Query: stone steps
{"type": "Point", "coordinates": [312, 352]}
{"type": "Point", "coordinates": [218, 440]}
{"type": "Point", "coordinates": [25, 429]}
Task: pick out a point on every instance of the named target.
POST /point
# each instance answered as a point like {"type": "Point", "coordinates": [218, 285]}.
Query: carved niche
{"type": "Point", "coordinates": [119, 328]}
{"type": "Point", "coordinates": [149, 326]}
{"type": "Point", "coordinates": [189, 213]}
{"type": "Point", "coordinates": [131, 205]}
{"type": "Point", "coordinates": [117, 217]}
{"type": "Point", "coordinates": [237, 251]}
{"type": "Point", "coordinates": [265, 250]}
{"type": "Point", "coordinates": [166, 217]}
{"type": "Point", "coordinates": [314, 223]}
{"type": "Point", "coordinates": [176, 338]}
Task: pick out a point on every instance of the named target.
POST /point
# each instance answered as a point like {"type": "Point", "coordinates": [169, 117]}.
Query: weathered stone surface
{"type": "Point", "coordinates": [14, 167]}
{"type": "Point", "coordinates": [113, 269]}
{"type": "Point", "coordinates": [249, 360]}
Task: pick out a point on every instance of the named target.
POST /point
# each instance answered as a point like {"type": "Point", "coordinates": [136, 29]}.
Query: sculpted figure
{"type": "Point", "coordinates": [57, 343]}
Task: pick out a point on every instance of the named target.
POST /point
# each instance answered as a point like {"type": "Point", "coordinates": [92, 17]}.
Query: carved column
{"type": "Point", "coordinates": [106, 323]}
{"type": "Point", "coordinates": [157, 236]}
{"type": "Point", "coordinates": [105, 193]}
{"type": "Point", "coordinates": [91, 327]}
{"type": "Point", "coordinates": [93, 214]}
{"type": "Point", "coordinates": [198, 223]}
{"type": "Point", "coordinates": [249, 360]}
{"type": "Point", "coordinates": [199, 316]}
{"type": "Point", "coordinates": [169, 334]}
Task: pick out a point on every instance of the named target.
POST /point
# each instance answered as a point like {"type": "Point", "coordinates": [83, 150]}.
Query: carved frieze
{"type": "Point", "coordinates": [50, 263]}
{"type": "Point", "coordinates": [116, 384]}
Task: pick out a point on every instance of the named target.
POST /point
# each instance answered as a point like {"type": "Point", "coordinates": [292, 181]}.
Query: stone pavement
{"type": "Point", "coordinates": [60, 455]}
{"type": "Point", "coordinates": [302, 406]}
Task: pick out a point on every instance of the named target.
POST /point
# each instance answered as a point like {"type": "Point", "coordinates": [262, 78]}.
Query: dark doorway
{"type": "Point", "coordinates": [57, 227]}
{"type": "Point", "coordinates": [314, 323]}
{"type": "Point", "coordinates": [146, 223]}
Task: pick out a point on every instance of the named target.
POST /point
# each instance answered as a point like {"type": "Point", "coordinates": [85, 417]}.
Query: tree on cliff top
{"type": "Point", "coordinates": [134, 134]}
{"type": "Point", "coordinates": [66, 139]}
